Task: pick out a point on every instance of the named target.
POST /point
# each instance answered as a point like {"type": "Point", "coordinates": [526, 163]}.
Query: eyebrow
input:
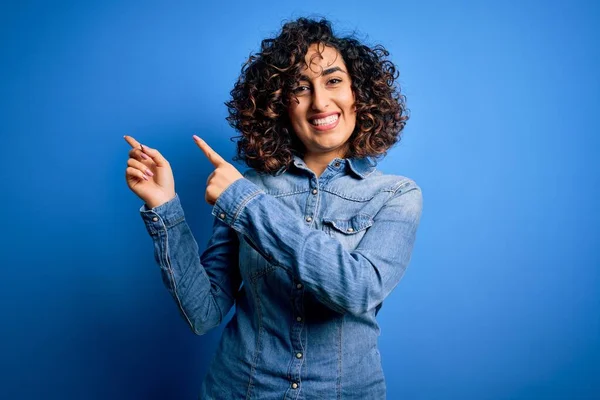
{"type": "Point", "coordinates": [326, 72]}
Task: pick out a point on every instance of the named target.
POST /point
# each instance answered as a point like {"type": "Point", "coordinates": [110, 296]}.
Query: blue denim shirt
{"type": "Point", "coordinates": [308, 262]}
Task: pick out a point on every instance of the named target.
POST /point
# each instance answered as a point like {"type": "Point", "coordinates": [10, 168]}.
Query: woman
{"type": "Point", "coordinates": [309, 241]}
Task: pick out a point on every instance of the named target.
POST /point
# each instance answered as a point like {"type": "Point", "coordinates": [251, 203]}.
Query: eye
{"type": "Point", "coordinates": [334, 81]}
{"type": "Point", "coordinates": [301, 89]}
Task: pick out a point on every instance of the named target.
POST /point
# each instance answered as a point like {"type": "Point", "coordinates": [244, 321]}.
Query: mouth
{"type": "Point", "coordinates": [325, 123]}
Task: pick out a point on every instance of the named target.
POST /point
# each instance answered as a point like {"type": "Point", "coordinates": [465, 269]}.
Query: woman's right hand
{"type": "Point", "coordinates": [149, 174]}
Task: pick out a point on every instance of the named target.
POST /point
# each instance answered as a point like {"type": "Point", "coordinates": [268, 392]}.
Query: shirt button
{"type": "Point", "coordinates": [308, 219]}
{"type": "Point", "coordinates": [350, 230]}
{"type": "Point", "coordinates": [337, 164]}
{"type": "Point", "coordinates": [222, 216]}
{"type": "Point", "coordinates": [294, 385]}
{"type": "Point", "coordinates": [299, 319]}
{"type": "Point", "coordinates": [155, 219]}
{"type": "Point", "coordinates": [314, 191]}
{"type": "Point", "coordinates": [299, 286]}
{"type": "Point", "coordinates": [298, 355]}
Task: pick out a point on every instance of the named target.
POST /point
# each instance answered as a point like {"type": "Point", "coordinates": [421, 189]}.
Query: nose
{"type": "Point", "coordinates": [320, 99]}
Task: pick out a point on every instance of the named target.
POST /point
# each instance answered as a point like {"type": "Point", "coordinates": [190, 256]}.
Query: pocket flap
{"type": "Point", "coordinates": [350, 226]}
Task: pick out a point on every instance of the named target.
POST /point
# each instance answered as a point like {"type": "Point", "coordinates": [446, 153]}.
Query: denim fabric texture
{"type": "Point", "coordinates": [307, 262]}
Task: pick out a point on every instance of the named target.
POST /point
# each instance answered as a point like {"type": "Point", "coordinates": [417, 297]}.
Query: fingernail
{"type": "Point", "coordinates": [149, 173]}
{"type": "Point", "coordinates": [145, 157]}
{"type": "Point", "coordinates": [145, 177]}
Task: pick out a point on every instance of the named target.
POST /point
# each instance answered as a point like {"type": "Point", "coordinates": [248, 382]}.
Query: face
{"type": "Point", "coordinates": [324, 116]}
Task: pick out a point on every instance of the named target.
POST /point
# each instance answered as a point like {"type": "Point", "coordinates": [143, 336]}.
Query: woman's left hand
{"type": "Point", "coordinates": [223, 175]}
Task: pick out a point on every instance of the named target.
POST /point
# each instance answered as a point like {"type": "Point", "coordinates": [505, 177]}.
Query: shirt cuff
{"type": "Point", "coordinates": [162, 217]}
{"type": "Point", "coordinates": [234, 198]}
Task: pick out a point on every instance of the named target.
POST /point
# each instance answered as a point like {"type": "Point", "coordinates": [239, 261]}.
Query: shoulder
{"type": "Point", "coordinates": [405, 195]}
{"type": "Point", "coordinates": [407, 189]}
{"type": "Point", "coordinates": [349, 187]}
{"type": "Point", "coordinates": [376, 184]}
{"type": "Point", "coordinates": [395, 183]}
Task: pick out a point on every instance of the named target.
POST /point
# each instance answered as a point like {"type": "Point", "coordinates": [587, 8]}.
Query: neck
{"type": "Point", "coordinates": [317, 162]}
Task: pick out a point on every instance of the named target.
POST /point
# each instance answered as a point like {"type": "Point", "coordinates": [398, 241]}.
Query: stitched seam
{"type": "Point", "coordinates": [346, 197]}
{"type": "Point", "coordinates": [170, 269]}
{"type": "Point", "coordinates": [367, 225]}
{"type": "Point", "coordinates": [369, 216]}
{"type": "Point", "coordinates": [241, 207]}
{"type": "Point", "coordinates": [303, 311]}
{"type": "Point", "coordinates": [254, 277]}
{"type": "Point", "coordinates": [392, 189]}
{"type": "Point", "coordinates": [176, 222]}
{"type": "Point", "coordinates": [259, 250]}
{"type": "Point", "coordinates": [290, 367]}
{"type": "Point", "coordinates": [275, 194]}
{"type": "Point", "coordinates": [340, 349]}
{"type": "Point", "coordinates": [401, 184]}
{"type": "Point", "coordinates": [366, 175]}
{"type": "Point", "coordinates": [408, 190]}
{"type": "Point", "coordinates": [257, 343]}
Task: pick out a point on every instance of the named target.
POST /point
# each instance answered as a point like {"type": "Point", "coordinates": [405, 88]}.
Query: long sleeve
{"type": "Point", "coordinates": [203, 287]}
{"type": "Point", "coordinates": [346, 281]}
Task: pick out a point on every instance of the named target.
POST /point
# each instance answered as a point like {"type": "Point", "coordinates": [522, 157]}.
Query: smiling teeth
{"type": "Point", "coordinates": [325, 121]}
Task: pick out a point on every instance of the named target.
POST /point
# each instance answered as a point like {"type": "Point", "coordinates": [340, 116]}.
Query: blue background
{"type": "Point", "coordinates": [502, 297]}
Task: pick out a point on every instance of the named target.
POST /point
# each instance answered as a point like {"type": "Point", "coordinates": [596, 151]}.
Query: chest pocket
{"type": "Point", "coordinates": [348, 231]}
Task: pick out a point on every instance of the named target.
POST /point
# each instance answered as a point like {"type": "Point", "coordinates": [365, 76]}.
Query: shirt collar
{"type": "Point", "coordinates": [362, 167]}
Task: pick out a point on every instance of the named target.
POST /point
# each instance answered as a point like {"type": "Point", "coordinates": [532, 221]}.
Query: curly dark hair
{"type": "Point", "coordinates": [265, 88]}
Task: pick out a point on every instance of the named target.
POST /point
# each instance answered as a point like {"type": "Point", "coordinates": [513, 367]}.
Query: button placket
{"type": "Point", "coordinates": [311, 200]}
{"type": "Point", "coordinates": [296, 335]}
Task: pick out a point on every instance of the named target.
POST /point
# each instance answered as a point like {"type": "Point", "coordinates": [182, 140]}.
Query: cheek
{"type": "Point", "coordinates": [349, 101]}
{"type": "Point", "coordinates": [351, 110]}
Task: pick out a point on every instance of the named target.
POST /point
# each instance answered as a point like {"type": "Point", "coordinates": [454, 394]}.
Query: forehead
{"type": "Point", "coordinates": [320, 57]}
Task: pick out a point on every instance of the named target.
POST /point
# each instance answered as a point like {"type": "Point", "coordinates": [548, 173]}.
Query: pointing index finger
{"type": "Point", "coordinates": [212, 155]}
{"type": "Point", "coordinates": [154, 154]}
{"type": "Point", "coordinates": [132, 142]}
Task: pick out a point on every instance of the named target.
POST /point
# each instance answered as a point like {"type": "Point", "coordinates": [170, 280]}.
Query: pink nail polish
{"type": "Point", "coordinates": [145, 157]}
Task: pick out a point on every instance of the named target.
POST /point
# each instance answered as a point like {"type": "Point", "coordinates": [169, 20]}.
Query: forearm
{"type": "Point", "coordinates": [200, 301]}
{"type": "Point", "coordinates": [346, 281]}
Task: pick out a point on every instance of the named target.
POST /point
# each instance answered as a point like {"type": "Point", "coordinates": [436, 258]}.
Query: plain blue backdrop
{"type": "Point", "coordinates": [502, 297]}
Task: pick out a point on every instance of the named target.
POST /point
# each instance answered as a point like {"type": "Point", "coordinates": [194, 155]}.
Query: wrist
{"type": "Point", "coordinates": [159, 202]}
